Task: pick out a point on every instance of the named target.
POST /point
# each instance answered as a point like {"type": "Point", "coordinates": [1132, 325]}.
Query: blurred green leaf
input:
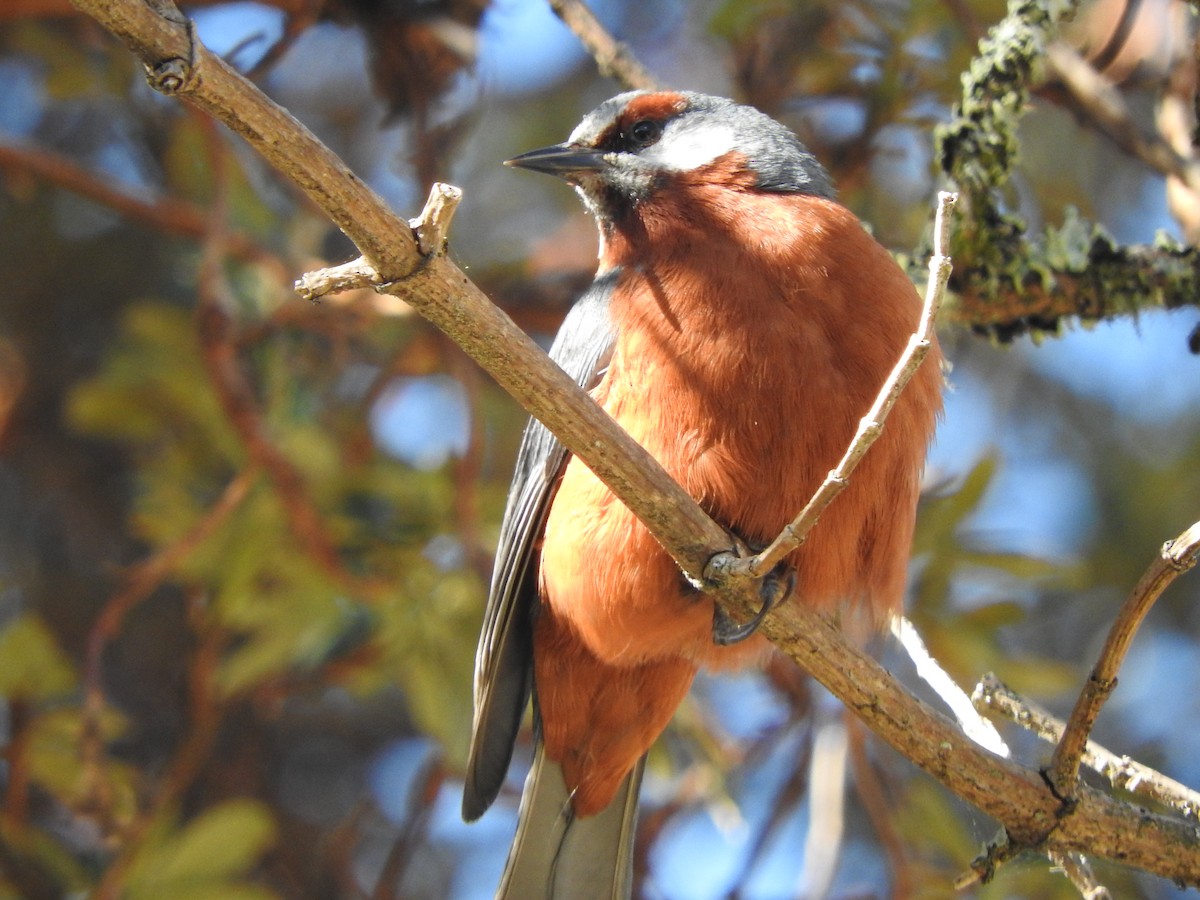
{"type": "Point", "coordinates": [32, 667]}
{"type": "Point", "coordinates": [175, 409]}
{"type": "Point", "coordinates": [44, 850]}
{"type": "Point", "coordinates": [734, 17]}
{"type": "Point", "coordinates": [205, 857]}
{"type": "Point", "coordinates": [71, 66]}
{"type": "Point", "coordinates": [186, 160]}
{"type": "Point", "coordinates": [968, 639]}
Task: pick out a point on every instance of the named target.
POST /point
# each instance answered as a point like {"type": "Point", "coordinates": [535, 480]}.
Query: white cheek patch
{"type": "Point", "coordinates": [687, 145]}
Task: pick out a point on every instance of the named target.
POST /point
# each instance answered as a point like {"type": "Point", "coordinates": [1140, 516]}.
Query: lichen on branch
{"type": "Point", "coordinates": [1007, 283]}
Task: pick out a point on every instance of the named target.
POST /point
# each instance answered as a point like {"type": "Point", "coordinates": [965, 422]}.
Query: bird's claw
{"type": "Point", "coordinates": [776, 587]}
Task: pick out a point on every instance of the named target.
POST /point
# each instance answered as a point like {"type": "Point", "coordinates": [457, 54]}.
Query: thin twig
{"type": "Point", "coordinates": [468, 467]}
{"type": "Point", "coordinates": [881, 811]}
{"type": "Point", "coordinates": [294, 25]}
{"type": "Point", "coordinates": [347, 276]}
{"type": "Point", "coordinates": [1112, 48]}
{"type": "Point", "coordinates": [785, 801]}
{"type": "Point", "coordinates": [1078, 870]}
{"type": "Point", "coordinates": [431, 229]}
{"type": "Point", "coordinates": [162, 213]}
{"type": "Point", "coordinates": [613, 59]}
{"type": "Point", "coordinates": [422, 796]}
{"type": "Point", "coordinates": [1176, 557]}
{"type": "Point", "coordinates": [205, 708]}
{"type": "Point", "coordinates": [432, 226]}
{"type": "Point", "coordinates": [1121, 772]}
{"type": "Point", "coordinates": [871, 425]}
{"type": "Point", "coordinates": [237, 397]}
{"type": "Point", "coordinates": [139, 583]}
{"type": "Point", "coordinates": [1101, 105]}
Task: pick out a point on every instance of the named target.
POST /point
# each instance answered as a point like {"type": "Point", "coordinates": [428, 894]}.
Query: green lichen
{"type": "Point", "coordinates": [1007, 283]}
{"type": "Point", "coordinates": [978, 147]}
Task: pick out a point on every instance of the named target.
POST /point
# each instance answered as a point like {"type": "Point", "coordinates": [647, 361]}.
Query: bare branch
{"type": "Point", "coordinates": [1177, 556]}
{"type": "Point", "coordinates": [1078, 870]}
{"type": "Point", "coordinates": [1108, 54]}
{"type": "Point", "coordinates": [431, 227]}
{"type": "Point", "coordinates": [1036, 293]}
{"type": "Point", "coordinates": [1007, 282]}
{"type": "Point", "coordinates": [880, 809]}
{"type": "Point", "coordinates": [139, 582]}
{"type": "Point", "coordinates": [1121, 772]}
{"type": "Point", "coordinates": [163, 213]}
{"type": "Point", "coordinates": [433, 286]}
{"type": "Point", "coordinates": [613, 59]}
{"type": "Point", "coordinates": [1015, 795]}
{"type": "Point", "coordinates": [1105, 108]}
{"type": "Point", "coordinates": [871, 425]}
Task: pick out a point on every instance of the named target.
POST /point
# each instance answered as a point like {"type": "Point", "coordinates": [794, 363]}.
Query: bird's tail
{"type": "Point", "coordinates": [556, 856]}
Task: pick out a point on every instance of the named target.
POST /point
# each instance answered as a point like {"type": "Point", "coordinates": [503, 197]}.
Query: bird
{"type": "Point", "coordinates": [740, 324]}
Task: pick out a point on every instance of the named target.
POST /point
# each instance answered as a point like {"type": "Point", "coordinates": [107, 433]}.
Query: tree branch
{"type": "Point", "coordinates": [139, 582]}
{"type": "Point", "coordinates": [165, 213]}
{"type": "Point", "coordinates": [432, 285]}
{"type": "Point", "coordinates": [1102, 105]}
{"type": "Point", "coordinates": [1007, 283]}
{"type": "Point", "coordinates": [1016, 795]}
{"type": "Point", "coordinates": [1176, 557]}
{"type": "Point", "coordinates": [1123, 773]}
{"type": "Point", "coordinates": [613, 59]}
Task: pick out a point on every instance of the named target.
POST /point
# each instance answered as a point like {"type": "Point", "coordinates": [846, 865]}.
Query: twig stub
{"type": "Point", "coordinates": [432, 226]}
{"type": "Point", "coordinates": [431, 231]}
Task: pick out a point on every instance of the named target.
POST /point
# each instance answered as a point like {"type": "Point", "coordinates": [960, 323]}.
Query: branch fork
{"type": "Point", "coordinates": [1176, 557]}
{"type": "Point", "coordinates": [430, 230]}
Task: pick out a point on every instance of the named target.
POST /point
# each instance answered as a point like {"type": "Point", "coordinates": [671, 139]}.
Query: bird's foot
{"type": "Point", "coordinates": [775, 587]}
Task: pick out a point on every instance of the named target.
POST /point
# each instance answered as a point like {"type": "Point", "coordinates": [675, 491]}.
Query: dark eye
{"type": "Point", "coordinates": [644, 132]}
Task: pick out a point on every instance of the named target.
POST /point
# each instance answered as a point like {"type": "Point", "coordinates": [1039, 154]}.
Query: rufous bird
{"type": "Point", "coordinates": [740, 324]}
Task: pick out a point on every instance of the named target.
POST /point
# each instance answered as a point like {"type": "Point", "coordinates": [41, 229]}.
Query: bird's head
{"type": "Point", "coordinates": [639, 143]}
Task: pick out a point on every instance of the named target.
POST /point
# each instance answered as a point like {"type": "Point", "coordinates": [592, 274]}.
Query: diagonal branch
{"type": "Point", "coordinates": [613, 59]}
{"type": "Point", "coordinates": [1176, 557]}
{"type": "Point", "coordinates": [163, 213]}
{"type": "Point", "coordinates": [1098, 99]}
{"type": "Point", "coordinates": [432, 285]}
{"type": "Point", "coordinates": [1121, 772]}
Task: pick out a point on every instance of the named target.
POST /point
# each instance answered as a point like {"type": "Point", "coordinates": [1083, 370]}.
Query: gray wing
{"type": "Point", "coordinates": [504, 658]}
